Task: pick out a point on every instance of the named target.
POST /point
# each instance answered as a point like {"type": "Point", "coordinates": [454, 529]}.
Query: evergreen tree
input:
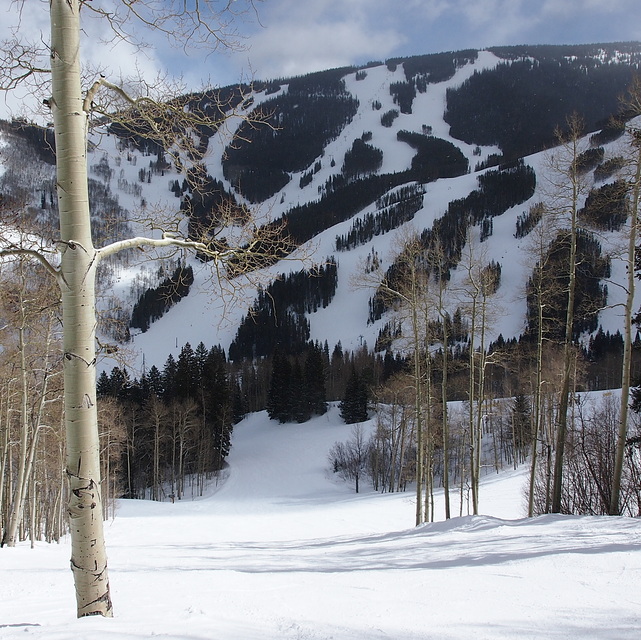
{"type": "Point", "coordinates": [353, 407]}
{"type": "Point", "coordinates": [187, 376]}
{"type": "Point", "coordinates": [314, 379]}
{"type": "Point", "coordinates": [299, 398]}
{"type": "Point", "coordinates": [103, 385]}
{"type": "Point", "coordinates": [215, 391]}
{"type": "Point", "coordinates": [279, 398]}
{"type": "Point", "coordinates": [169, 378]}
{"type": "Point", "coordinates": [154, 381]}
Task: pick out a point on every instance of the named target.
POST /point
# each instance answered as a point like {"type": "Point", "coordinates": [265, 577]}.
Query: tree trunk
{"type": "Point", "coordinates": [475, 436]}
{"type": "Point", "coordinates": [615, 507]}
{"type": "Point", "coordinates": [77, 281]}
{"type": "Point", "coordinates": [561, 435]}
{"type": "Point", "coordinates": [418, 401]}
{"type": "Point", "coordinates": [536, 428]}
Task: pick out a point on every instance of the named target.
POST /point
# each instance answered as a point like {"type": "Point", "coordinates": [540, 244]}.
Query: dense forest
{"type": "Point", "coordinates": [171, 428]}
{"type": "Point", "coordinates": [496, 106]}
{"type": "Point", "coordinates": [300, 124]}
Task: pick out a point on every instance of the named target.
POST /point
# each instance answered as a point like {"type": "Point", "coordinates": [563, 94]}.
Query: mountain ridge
{"type": "Point", "coordinates": [375, 87]}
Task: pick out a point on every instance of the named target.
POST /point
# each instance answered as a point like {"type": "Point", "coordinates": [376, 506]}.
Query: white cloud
{"type": "Point", "coordinates": [299, 37]}
{"type": "Point", "coordinates": [292, 49]}
{"type": "Point", "coordinates": [292, 37]}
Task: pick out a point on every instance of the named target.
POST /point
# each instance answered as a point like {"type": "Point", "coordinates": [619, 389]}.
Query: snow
{"type": "Point", "coordinates": [281, 549]}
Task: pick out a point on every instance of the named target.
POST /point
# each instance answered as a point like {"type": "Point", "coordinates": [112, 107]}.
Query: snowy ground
{"type": "Point", "coordinates": [282, 550]}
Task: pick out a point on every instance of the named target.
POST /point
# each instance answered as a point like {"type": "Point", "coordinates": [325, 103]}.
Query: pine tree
{"type": "Point", "coordinates": [187, 374]}
{"type": "Point", "coordinates": [299, 397]}
{"type": "Point", "coordinates": [314, 377]}
{"type": "Point", "coordinates": [353, 407]}
{"type": "Point", "coordinates": [279, 398]}
{"type": "Point", "coordinates": [169, 379]}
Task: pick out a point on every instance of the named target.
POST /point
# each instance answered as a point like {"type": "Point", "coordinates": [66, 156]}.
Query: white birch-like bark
{"type": "Point", "coordinates": [615, 495]}
{"type": "Point", "coordinates": [575, 186]}
{"type": "Point", "coordinates": [77, 281]}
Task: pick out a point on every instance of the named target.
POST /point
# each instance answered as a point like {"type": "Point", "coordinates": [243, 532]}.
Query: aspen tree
{"type": "Point", "coordinates": [633, 106]}
{"type": "Point", "coordinates": [439, 271]}
{"type": "Point", "coordinates": [569, 197]}
{"type": "Point", "coordinates": [479, 284]}
{"type": "Point", "coordinates": [75, 272]}
{"type": "Point", "coordinates": [406, 289]}
{"type": "Point", "coordinates": [537, 249]}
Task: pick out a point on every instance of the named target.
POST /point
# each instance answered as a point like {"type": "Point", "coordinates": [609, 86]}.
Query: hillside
{"type": "Point", "coordinates": [328, 184]}
{"type": "Point", "coordinates": [354, 163]}
{"type": "Point", "coordinates": [282, 550]}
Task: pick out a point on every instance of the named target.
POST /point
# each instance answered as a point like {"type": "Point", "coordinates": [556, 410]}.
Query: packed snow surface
{"type": "Point", "coordinates": [282, 549]}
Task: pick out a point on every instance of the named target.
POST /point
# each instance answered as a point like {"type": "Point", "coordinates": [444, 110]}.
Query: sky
{"type": "Point", "coordinates": [281, 38]}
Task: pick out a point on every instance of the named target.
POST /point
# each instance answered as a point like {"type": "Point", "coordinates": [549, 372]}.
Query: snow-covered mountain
{"type": "Point", "coordinates": [129, 183]}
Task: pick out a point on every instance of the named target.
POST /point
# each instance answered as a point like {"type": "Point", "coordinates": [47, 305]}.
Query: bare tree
{"type": "Point", "coordinates": [480, 284]}
{"type": "Point", "coordinates": [72, 102]}
{"type": "Point", "coordinates": [349, 459]}
{"type": "Point", "coordinates": [31, 356]}
{"type": "Point", "coordinates": [537, 252]}
{"type": "Point", "coordinates": [439, 269]}
{"type": "Point", "coordinates": [404, 288]}
{"type": "Point", "coordinates": [570, 187]}
{"type": "Point", "coordinates": [632, 105]}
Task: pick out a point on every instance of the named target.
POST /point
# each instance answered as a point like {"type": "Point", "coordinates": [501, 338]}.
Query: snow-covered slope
{"type": "Point", "coordinates": [208, 315]}
{"type": "Point", "coordinates": [281, 550]}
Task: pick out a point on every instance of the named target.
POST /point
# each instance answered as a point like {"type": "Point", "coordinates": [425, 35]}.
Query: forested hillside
{"type": "Point", "coordinates": [436, 213]}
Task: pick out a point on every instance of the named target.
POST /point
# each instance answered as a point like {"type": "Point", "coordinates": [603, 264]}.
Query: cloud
{"type": "Point", "coordinates": [296, 49]}
{"type": "Point", "coordinates": [299, 37]}
{"type": "Point", "coordinates": [293, 37]}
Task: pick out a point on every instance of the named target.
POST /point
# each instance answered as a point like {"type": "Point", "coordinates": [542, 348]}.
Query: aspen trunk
{"type": "Point", "coordinates": [561, 435]}
{"type": "Point", "coordinates": [615, 496]}
{"type": "Point", "coordinates": [536, 427]}
{"type": "Point", "coordinates": [446, 429]}
{"type": "Point", "coordinates": [77, 271]}
{"type": "Point", "coordinates": [418, 403]}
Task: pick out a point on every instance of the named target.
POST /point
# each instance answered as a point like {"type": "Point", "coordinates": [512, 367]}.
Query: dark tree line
{"type": "Point", "coordinates": [498, 190]}
{"type": "Point", "coordinates": [528, 220]}
{"type": "Point", "coordinates": [278, 314]}
{"type": "Point", "coordinates": [353, 407]}
{"type": "Point", "coordinates": [177, 421]}
{"type": "Point", "coordinates": [361, 159]}
{"type": "Point", "coordinates": [342, 200]}
{"type": "Point", "coordinates": [606, 208]}
{"type": "Point", "coordinates": [435, 158]}
{"type": "Point", "coordinates": [154, 303]}
{"type": "Point", "coordinates": [376, 224]}
{"type": "Point", "coordinates": [433, 67]}
{"type": "Point", "coordinates": [300, 124]}
{"type": "Point", "coordinates": [403, 94]}
{"type": "Point", "coordinates": [297, 387]}
{"type": "Point", "coordinates": [608, 168]}
{"type": "Point", "coordinates": [603, 356]}
{"type": "Point", "coordinates": [518, 104]}
{"type": "Point", "coordinates": [207, 204]}
{"type": "Point", "coordinates": [589, 159]}
{"type": "Point", "coordinates": [590, 295]}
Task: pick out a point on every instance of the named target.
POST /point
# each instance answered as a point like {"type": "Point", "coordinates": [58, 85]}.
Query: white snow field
{"type": "Point", "coordinates": [281, 549]}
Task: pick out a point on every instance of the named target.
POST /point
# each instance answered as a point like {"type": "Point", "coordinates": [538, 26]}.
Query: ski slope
{"type": "Point", "coordinates": [282, 549]}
